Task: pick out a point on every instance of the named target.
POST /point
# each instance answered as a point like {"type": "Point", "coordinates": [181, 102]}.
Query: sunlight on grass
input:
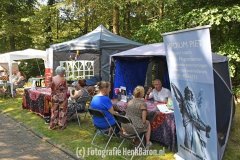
{"type": "Point", "coordinates": [8, 110]}
{"type": "Point", "coordinates": [74, 137]}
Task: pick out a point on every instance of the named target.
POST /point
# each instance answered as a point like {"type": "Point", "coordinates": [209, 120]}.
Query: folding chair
{"type": "Point", "coordinates": [121, 119]}
{"type": "Point", "coordinates": [100, 114]}
{"type": "Point", "coordinates": [82, 103]}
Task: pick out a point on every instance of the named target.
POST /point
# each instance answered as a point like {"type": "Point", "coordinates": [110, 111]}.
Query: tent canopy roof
{"type": "Point", "coordinates": [97, 39]}
{"type": "Point", "coordinates": [23, 54]}
{"type": "Point", "coordinates": [157, 49]}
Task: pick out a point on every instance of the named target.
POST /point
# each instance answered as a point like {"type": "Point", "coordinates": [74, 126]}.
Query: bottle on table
{"type": "Point", "coordinates": [170, 103]}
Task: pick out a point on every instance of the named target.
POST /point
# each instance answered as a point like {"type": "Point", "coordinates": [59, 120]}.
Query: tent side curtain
{"type": "Point", "coordinates": [130, 73]}
{"type": "Point", "coordinates": [104, 58]}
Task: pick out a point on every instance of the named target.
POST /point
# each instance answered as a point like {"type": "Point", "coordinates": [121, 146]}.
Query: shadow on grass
{"type": "Point", "coordinates": [74, 138]}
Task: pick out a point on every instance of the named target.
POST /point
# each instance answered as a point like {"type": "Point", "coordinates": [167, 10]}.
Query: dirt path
{"type": "Point", "coordinates": [16, 142]}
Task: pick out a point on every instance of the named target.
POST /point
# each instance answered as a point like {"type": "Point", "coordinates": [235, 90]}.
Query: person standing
{"type": "Point", "coordinates": [59, 99]}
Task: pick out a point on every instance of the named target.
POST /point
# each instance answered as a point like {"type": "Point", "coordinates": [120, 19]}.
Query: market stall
{"type": "Point", "coordinates": [10, 57]}
{"type": "Point", "coordinates": [225, 107]}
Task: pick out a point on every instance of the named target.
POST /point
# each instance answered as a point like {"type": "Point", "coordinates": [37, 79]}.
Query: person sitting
{"type": "Point", "coordinates": [20, 80]}
{"type": "Point", "coordinates": [137, 112]}
{"type": "Point", "coordinates": [77, 98]}
{"type": "Point", "coordinates": [159, 93]}
{"type": "Point", "coordinates": [14, 76]}
{"type": "Point", "coordinates": [102, 102]}
{"type": "Point", "coordinates": [4, 75]}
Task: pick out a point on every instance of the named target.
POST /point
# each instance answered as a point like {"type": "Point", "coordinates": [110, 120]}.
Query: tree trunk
{"type": "Point", "coordinates": [161, 9]}
{"type": "Point", "coordinates": [12, 43]}
{"type": "Point", "coordinates": [50, 2]}
{"type": "Point", "coordinates": [48, 29]}
{"type": "Point", "coordinates": [85, 20]}
{"type": "Point", "coordinates": [127, 20]}
{"type": "Point", "coordinates": [116, 19]}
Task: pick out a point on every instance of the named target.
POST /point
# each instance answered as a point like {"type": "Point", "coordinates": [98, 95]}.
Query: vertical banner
{"type": "Point", "coordinates": [48, 75]}
{"type": "Point", "coordinates": [189, 59]}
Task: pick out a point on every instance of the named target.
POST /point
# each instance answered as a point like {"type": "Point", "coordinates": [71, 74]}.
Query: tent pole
{"type": "Point", "coordinates": [223, 81]}
{"type": "Point", "coordinates": [100, 55]}
{"type": "Point", "coordinates": [111, 76]}
{"type": "Point", "coordinates": [38, 67]}
{"type": "Point", "coordinates": [100, 64]}
{"type": "Point", "coordinates": [10, 77]}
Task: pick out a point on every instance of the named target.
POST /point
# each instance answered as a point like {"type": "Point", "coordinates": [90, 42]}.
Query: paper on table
{"type": "Point", "coordinates": [163, 108]}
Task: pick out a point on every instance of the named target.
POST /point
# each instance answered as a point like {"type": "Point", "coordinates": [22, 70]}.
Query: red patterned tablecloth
{"type": "Point", "coordinates": [37, 101]}
{"type": "Point", "coordinates": [162, 124]}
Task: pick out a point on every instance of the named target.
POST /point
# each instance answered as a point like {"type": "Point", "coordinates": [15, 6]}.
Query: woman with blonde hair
{"type": "Point", "coordinates": [137, 112]}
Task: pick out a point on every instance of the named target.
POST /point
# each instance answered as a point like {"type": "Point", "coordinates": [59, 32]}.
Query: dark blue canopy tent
{"type": "Point", "coordinates": [126, 71]}
{"type": "Point", "coordinates": [97, 45]}
{"type": "Point", "coordinates": [131, 66]}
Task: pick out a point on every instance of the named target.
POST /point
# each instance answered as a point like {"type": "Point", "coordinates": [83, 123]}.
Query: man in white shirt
{"type": "Point", "coordinates": [159, 93]}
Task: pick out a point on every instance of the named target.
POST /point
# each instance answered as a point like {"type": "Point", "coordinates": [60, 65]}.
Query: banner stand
{"type": "Point", "coordinates": [177, 157]}
{"type": "Point", "coordinates": [189, 59]}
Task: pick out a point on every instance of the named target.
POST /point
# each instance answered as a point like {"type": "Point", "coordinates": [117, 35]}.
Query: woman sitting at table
{"type": "Point", "coordinates": [77, 98]}
{"type": "Point", "coordinates": [59, 99]}
{"type": "Point", "coordinates": [137, 112]}
{"type": "Point", "coordinates": [20, 80]}
{"type": "Point", "coordinates": [102, 102]}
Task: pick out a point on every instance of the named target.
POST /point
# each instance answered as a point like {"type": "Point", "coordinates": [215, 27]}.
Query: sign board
{"type": "Point", "coordinates": [189, 59]}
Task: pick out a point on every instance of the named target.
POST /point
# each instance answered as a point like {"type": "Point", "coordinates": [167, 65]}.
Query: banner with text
{"type": "Point", "coordinates": [189, 59]}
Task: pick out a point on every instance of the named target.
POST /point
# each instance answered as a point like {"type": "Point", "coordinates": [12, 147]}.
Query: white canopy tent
{"type": "Point", "coordinates": [4, 66]}
{"type": "Point", "coordinates": [10, 57]}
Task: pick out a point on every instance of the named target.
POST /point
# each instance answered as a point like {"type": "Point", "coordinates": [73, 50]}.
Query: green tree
{"type": "Point", "coordinates": [14, 29]}
{"type": "Point", "coordinates": [225, 24]}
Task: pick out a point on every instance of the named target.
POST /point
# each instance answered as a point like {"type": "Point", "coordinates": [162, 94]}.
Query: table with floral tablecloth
{"type": "Point", "coordinates": [37, 100]}
{"type": "Point", "coordinates": [162, 124]}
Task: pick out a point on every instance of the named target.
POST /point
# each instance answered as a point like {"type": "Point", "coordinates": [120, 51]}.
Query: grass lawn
{"type": "Point", "coordinates": [74, 137]}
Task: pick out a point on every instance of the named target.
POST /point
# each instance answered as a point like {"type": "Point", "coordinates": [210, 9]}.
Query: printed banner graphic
{"type": "Point", "coordinates": [189, 59]}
